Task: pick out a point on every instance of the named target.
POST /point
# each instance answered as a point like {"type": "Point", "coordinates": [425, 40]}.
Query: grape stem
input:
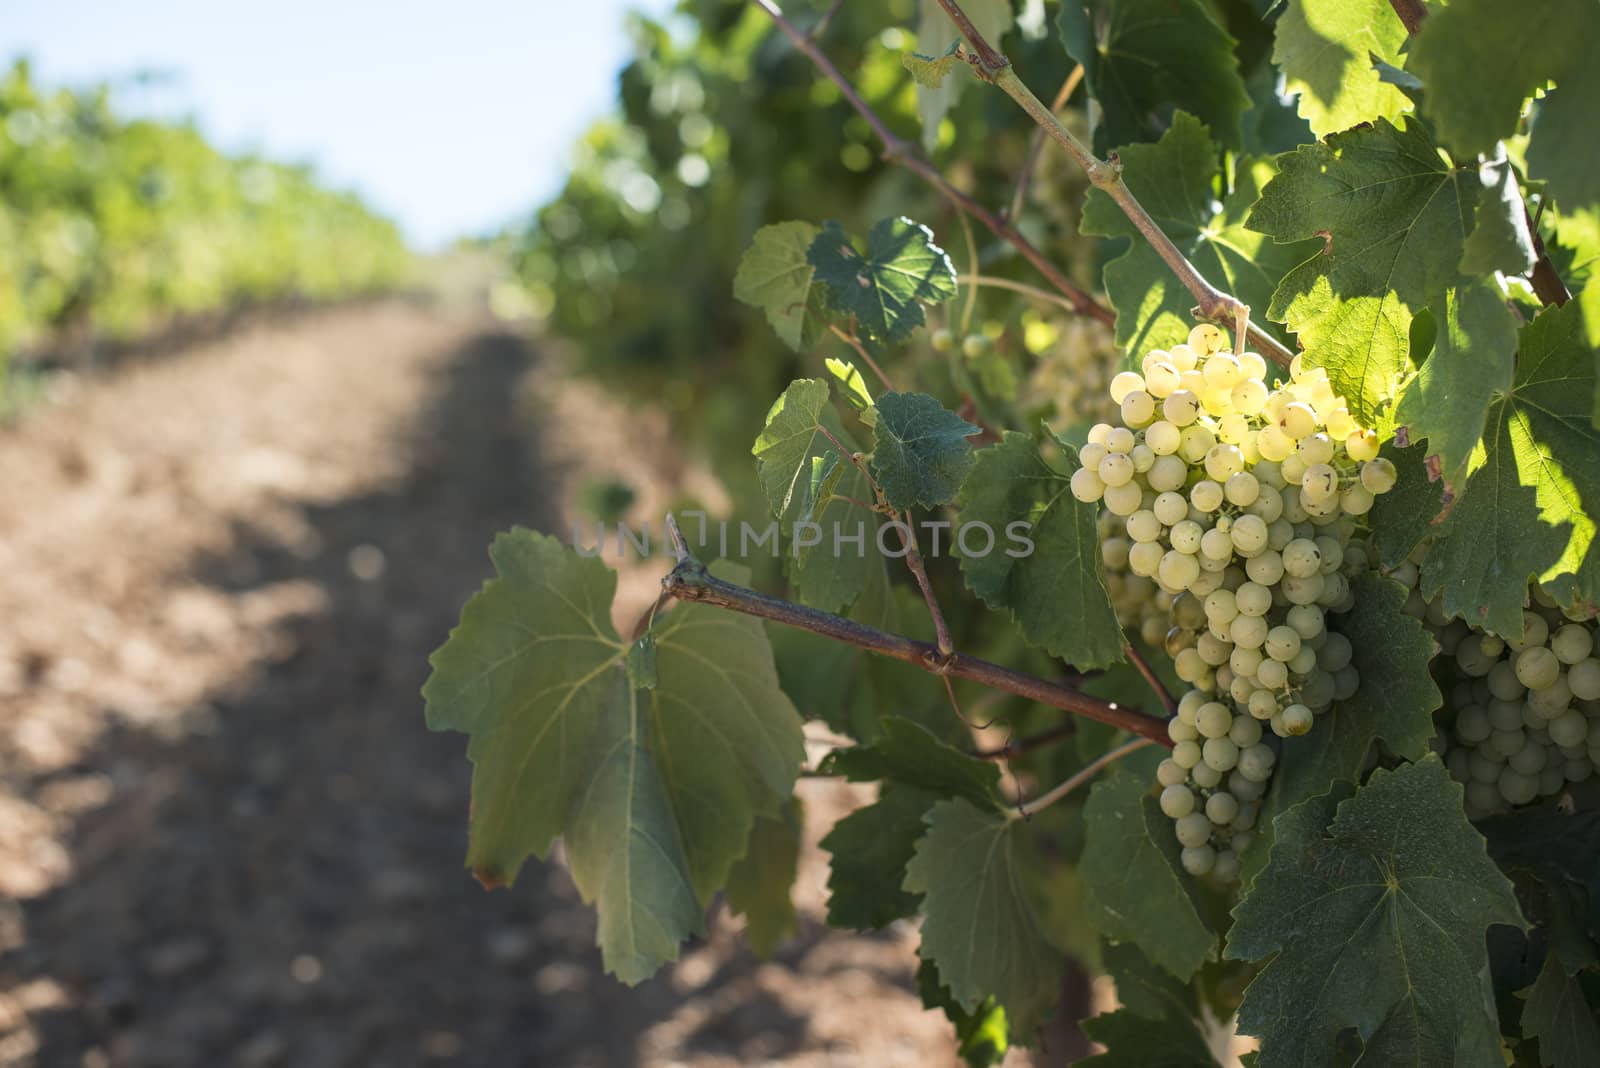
{"type": "Point", "coordinates": [976, 280]}
{"type": "Point", "coordinates": [1163, 694]}
{"type": "Point", "coordinates": [690, 581]}
{"type": "Point", "coordinates": [1544, 278]}
{"type": "Point", "coordinates": [919, 571]}
{"type": "Point", "coordinates": [1087, 772]}
{"type": "Point", "coordinates": [1106, 175]}
{"type": "Point", "coordinates": [896, 150]}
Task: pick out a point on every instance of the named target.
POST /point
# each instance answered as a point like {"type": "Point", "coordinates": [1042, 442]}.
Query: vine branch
{"type": "Point", "coordinates": [1106, 175]}
{"type": "Point", "coordinates": [1411, 13]}
{"type": "Point", "coordinates": [898, 151]}
{"type": "Point", "coordinates": [690, 581]}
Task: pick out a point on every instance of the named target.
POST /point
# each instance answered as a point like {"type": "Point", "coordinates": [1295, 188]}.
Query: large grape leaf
{"type": "Point", "coordinates": [1393, 709]}
{"type": "Point", "coordinates": [920, 454]}
{"type": "Point", "coordinates": [1136, 886]}
{"type": "Point", "coordinates": [978, 926]}
{"type": "Point", "coordinates": [1393, 216]}
{"type": "Point", "coordinates": [1525, 512]}
{"type": "Point", "coordinates": [936, 34]}
{"type": "Point", "coordinates": [775, 276]}
{"type": "Point", "coordinates": [1501, 239]}
{"type": "Point", "coordinates": [1154, 56]}
{"type": "Point", "coordinates": [885, 289]}
{"type": "Point", "coordinates": [654, 792]}
{"type": "Point", "coordinates": [1131, 1041]}
{"type": "Point", "coordinates": [759, 883]}
{"type": "Point", "coordinates": [1325, 50]}
{"type": "Point", "coordinates": [1178, 181]}
{"type": "Point", "coordinates": [1470, 365]}
{"type": "Point", "coordinates": [1481, 59]}
{"type": "Point", "coordinates": [1373, 909]}
{"type": "Point", "coordinates": [1055, 592]}
{"type": "Point", "coordinates": [1559, 1016]}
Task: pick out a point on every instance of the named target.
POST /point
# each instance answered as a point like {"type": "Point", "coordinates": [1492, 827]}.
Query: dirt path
{"type": "Point", "coordinates": [225, 837]}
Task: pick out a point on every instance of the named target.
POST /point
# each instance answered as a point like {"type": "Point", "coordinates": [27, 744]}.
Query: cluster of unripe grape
{"type": "Point", "coordinates": [1240, 502]}
{"type": "Point", "coordinates": [1522, 718]}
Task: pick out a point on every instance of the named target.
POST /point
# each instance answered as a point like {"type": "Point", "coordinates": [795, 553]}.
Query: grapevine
{"type": "Point", "coordinates": [1289, 419]}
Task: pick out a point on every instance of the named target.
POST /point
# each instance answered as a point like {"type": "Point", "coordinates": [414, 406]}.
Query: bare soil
{"type": "Point", "coordinates": [225, 836]}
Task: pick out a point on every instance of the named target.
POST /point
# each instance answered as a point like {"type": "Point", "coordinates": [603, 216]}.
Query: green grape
{"type": "Point", "coordinates": [1177, 801]}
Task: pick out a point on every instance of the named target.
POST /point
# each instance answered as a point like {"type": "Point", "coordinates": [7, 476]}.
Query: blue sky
{"type": "Point", "coordinates": [450, 117]}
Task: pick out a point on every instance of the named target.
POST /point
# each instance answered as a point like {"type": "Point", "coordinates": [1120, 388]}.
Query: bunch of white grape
{"type": "Point", "coordinates": [1240, 502]}
{"type": "Point", "coordinates": [1068, 383]}
{"type": "Point", "coordinates": [1523, 718]}
{"type": "Point", "coordinates": [1142, 607]}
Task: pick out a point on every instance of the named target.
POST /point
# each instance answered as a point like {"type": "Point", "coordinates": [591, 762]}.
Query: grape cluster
{"type": "Point", "coordinates": [1068, 383]}
{"type": "Point", "coordinates": [1239, 503]}
{"type": "Point", "coordinates": [1523, 717]}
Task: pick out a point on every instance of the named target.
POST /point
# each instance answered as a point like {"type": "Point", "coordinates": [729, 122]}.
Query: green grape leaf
{"type": "Point", "coordinates": [885, 289]}
{"type": "Point", "coordinates": [1177, 180]}
{"type": "Point", "coordinates": [1136, 885]}
{"type": "Point", "coordinates": [1404, 516]}
{"type": "Point", "coordinates": [870, 849]}
{"type": "Point", "coordinates": [1131, 1042]}
{"type": "Point", "coordinates": [1144, 989]}
{"type": "Point", "coordinates": [1559, 845]}
{"type": "Point", "coordinates": [851, 382]}
{"type": "Point", "coordinates": [775, 276]}
{"type": "Point", "coordinates": [930, 71]}
{"type": "Point", "coordinates": [979, 927]}
{"type": "Point", "coordinates": [759, 883]}
{"type": "Point", "coordinates": [993, 19]}
{"type": "Point", "coordinates": [1054, 592]}
{"type": "Point", "coordinates": [1155, 55]}
{"type": "Point", "coordinates": [653, 792]}
{"type": "Point", "coordinates": [1374, 909]}
{"type": "Point", "coordinates": [909, 754]}
{"type": "Point", "coordinates": [1525, 512]}
{"type": "Point", "coordinates": [1470, 366]}
{"type": "Point", "coordinates": [1559, 1016]}
{"type": "Point", "coordinates": [1393, 216]}
{"type": "Point", "coordinates": [1565, 122]}
{"type": "Point", "coordinates": [1325, 50]}
{"type": "Point", "coordinates": [1392, 709]}
{"type": "Point", "coordinates": [1500, 238]}
{"type": "Point", "coordinates": [808, 485]}
{"type": "Point", "coordinates": [1481, 59]}
{"type": "Point", "coordinates": [920, 455]}
{"type": "Point", "coordinates": [982, 1035]}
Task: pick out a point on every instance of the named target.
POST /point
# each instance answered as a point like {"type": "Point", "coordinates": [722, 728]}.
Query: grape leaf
{"type": "Point", "coordinates": [1373, 910]}
{"type": "Point", "coordinates": [1526, 507]}
{"type": "Point", "coordinates": [654, 792]}
{"type": "Point", "coordinates": [935, 31]}
{"type": "Point", "coordinates": [983, 1035]}
{"type": "Point", "coordinates": [775, 276]}
{"type": "Point", "coordinates": [1482, 58]}
{"type": "Point", "coordinates": [851, 381]}
{"type": "Point", "coordinates": [1155, 55]}
{"type": "Point", "coordinates": [790, 438]}
{"type": "Point", "coordinates": [1404, 516]}
{"type": "Point", "coordinates": [1560, 152]}
{"type": "Point", "coordinates": [870, 849]}
{"type": "Point", "coordinates": [1132, 1042]}
{"type": "Point", "coordinates": [1394, 217]}
{"type": "Point", "coordinates": [920, 454]}
{"type": "Point", "coordinates": [930, 71]}
{"type": "Point", "coordinates": [908, 753]}
{"type": "Point", "coordinates": [1470, 365]}
{"type": "Point", "coordinates": [1500, 238]}
{"type": "Point", "coordinates": [979, 927]}
{"type": "Point", "coordinates": [1559, 1016]}
{"type": "Point", "coordinates": [759, 883]}
{"type": "Point", "coordinates": [1135, 883]}
{"type": "Point", "coordinates": [1055, 592]}
{"type": "Point", "coordinates": [1177, 180]}
{"type": "Point", "coordinates": [1325, 50]}
{"type": "Point", "coordinates": [1561, 846]}
{"type": "Point", "coordinates": [885, 289]}
{"type": "Point", "coordinates": [1393, 708]}
{"type": "Point", "coordinates": [1143, 988]}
